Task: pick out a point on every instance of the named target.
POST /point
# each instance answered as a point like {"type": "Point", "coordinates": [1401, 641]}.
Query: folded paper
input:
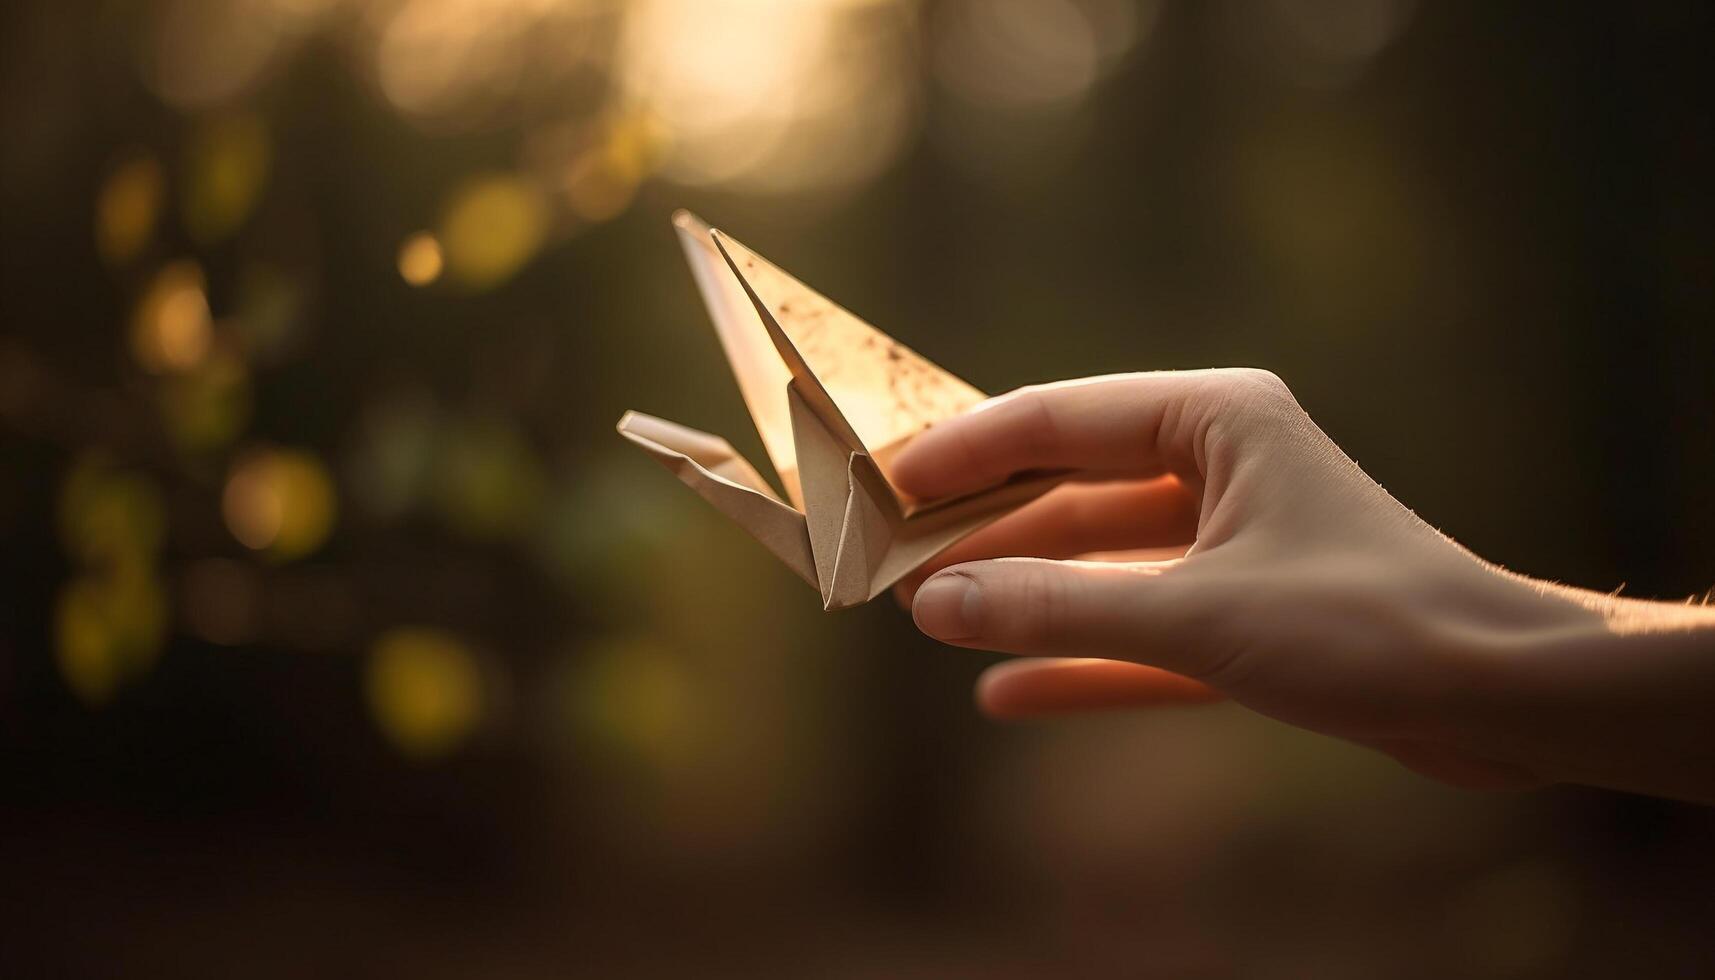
{"type": "Point", "coordinates": [833, 399]}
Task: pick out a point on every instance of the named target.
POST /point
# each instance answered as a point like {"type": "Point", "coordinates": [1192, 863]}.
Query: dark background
{"type": "Point", "coordinates": [491, 695]}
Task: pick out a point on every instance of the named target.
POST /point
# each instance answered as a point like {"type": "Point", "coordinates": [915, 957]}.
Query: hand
{"type": "Point", "coordinates": [1244, 556]}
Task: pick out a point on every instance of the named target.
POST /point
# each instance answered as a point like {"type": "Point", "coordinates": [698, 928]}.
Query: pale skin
{"type": "Point", "coordinates": [1243, 556]}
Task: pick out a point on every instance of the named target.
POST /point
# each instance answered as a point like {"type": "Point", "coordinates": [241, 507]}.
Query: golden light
{"type": "Point", "coordinates": [600, 181]}
{"type": "Point", "coordinates": [171, 329]}
{"type": "Point", "coordinates": [280, 501]}
{"type": "Point", "coordinates": [200, 54]}
{"type": "Point", "coordinates": [435, 56]}
{"type": "Point", "coordinates": [420, 259]}
{"type": "Point", "coordinates": [84, 644]}
{"type": "Point", "coordinates": [226, 166]}
{"type": "Point", "coordinates": [108, 628]}
{"type": "Point", "coordinates": [110, 517]}
{"type": "Point", "coordinates": [492, 225]}
{"type": "Point", "coordinates": [203, 53]}
{"type": "Point", "coordinates": [127, 208]}
{"type": "Point", "coordinates": [424, 689]}
{"type": "Point", "coordinates": [777, 96]}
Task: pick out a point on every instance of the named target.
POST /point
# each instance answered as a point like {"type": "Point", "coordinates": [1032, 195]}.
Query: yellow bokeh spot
{"type": "Point", "coordinates": [491, 227]}
{"type": "Point", "coordinates": [280, 501]}
{"type": "Point", "coordinates": [226, 166]}
{"type": "Point", "coordinates": [108, 517]}
{"type": "Point", "coordinates": [420, 259]}
{"type": "Point", "coordinates": [108, 628]}
{"type": "Point", "coordinates": [84, 645]}
{"type": "Point", "coordinates": [171, 329]}
{"type": "Point", "coordinates": [127, 209]}
{"type": "Point", "coordinates": [601, 181]}
{"type": "Point", "coordinates": [425, 690]}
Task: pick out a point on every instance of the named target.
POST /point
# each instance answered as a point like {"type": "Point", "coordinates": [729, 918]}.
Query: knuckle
{"type": "Point", "coordinates": [1252, 399]}
{"type": "Point", "coordinates": [1260, 384]}
{"type": "Point", "coordinates": [1040, 605]}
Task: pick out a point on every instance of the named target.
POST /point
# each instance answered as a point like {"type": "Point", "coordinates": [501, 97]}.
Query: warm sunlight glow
{"type": "Point", "coordinates": [279, 501]}
{"type": "Point", "coordinates": [492, 225]}
{"type": "Point", "coordinates": [127, 208]}
{"type": "Point", "coordinates": [424, 689]}
{"type": "Point", "coordinates": [171, 329]}
{"type": "Point", "coordinates": [782, 95]}
{"type": "Point", "coordinates": [420, 259]}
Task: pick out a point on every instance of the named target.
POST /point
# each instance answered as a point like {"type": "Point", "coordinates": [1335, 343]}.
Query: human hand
{"type": "Point", "coordinates": [1245, 556]}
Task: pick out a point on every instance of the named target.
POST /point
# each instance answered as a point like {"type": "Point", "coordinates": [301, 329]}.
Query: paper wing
{"type": "Point", "coordinates": [709, 465]}
{"type": "Point", "coordinates": [883, 391]}
{"type": "Point", "coordinates": [880, 391]}
{"type": "Point", "coordinates": [832, 398]}
{"type": "Point", "coordinates": [756, 365]}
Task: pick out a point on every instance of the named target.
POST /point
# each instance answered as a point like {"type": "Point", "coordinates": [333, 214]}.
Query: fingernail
{"type": "Point", "coordinates": [949, 607]}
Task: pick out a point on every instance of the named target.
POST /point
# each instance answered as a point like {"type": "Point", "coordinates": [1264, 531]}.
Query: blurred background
{"type": "Point", "coordinates": [339, 634]}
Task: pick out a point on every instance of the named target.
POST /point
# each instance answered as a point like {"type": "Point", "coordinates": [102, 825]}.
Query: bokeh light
{"type": "Point", "coordinates": [226, 166]}
{"type": "Point", "coordinates": [108, 629]}
{"type": "Point", "coordinates": [203, 53]}
{"type": "Point", "coordinates": [172, 329]}
{"type": "Point", "coordinates": [455, 63]}
{"type": "Point", "coordinates": [602, 176]}
{"type": "Point", "coordinates": [109, 516]}
{"type": "Point", "coordinates": [1017, 75]}
{"type": "Point", "coordinates": [492, 225]}
{"type": "Point", "coordinates": [425, 690]}
{"type": "Point", "coordinates": [420, 259]}
{"type": "Point", "coordinates": [1321, 44]}
{"type": "Point", "coordinates": [1018, 53]}
{"type": "Point", "coordinates": [279, 501]}
{"type": "Point", "coordinates": [110, 621]}
{"type": "Point", "coordinates": [128, 207]}
{"type": "Point", "coordinates": [776, 96]}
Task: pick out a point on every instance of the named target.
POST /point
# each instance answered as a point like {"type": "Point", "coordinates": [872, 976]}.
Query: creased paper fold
{"type": "Point", "coordinates": [830, 395]}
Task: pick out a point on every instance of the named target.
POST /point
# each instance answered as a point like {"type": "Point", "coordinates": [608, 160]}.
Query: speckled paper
{"type": "Point", "coordinates": [830, 394]}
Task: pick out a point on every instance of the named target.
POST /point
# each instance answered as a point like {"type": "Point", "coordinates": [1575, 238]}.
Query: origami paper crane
{"type": "Point", "coordinates": [833, 399]}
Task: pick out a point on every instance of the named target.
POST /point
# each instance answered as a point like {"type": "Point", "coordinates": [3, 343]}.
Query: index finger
{"type": "Point", "coordinates": [1143, 423]}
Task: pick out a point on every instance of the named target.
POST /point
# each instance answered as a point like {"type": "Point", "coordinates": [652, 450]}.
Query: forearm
{"type": "Point", "coordinates": [1622, 697]}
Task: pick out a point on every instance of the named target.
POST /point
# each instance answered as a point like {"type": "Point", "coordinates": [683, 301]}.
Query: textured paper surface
{"type": "Point", "coordinates": [828, 393]}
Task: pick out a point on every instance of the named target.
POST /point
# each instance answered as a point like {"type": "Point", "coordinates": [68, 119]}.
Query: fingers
{"type": "Point", "coordinates": [1034, 687]}
{"type": "Point", "coordinates": [1121, 423]}
{"type": "Point", "coordinates": [1073, 519]}
{"type": "Point", "coordinates": [1164, 614]}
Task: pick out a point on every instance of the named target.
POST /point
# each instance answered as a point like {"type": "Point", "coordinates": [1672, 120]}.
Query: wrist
{"type": "Point", "coordinates": [1615, 694]}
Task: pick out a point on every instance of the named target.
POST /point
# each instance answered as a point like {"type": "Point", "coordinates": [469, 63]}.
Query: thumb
{"type": "Point", "coordinates": [1157, 613]}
